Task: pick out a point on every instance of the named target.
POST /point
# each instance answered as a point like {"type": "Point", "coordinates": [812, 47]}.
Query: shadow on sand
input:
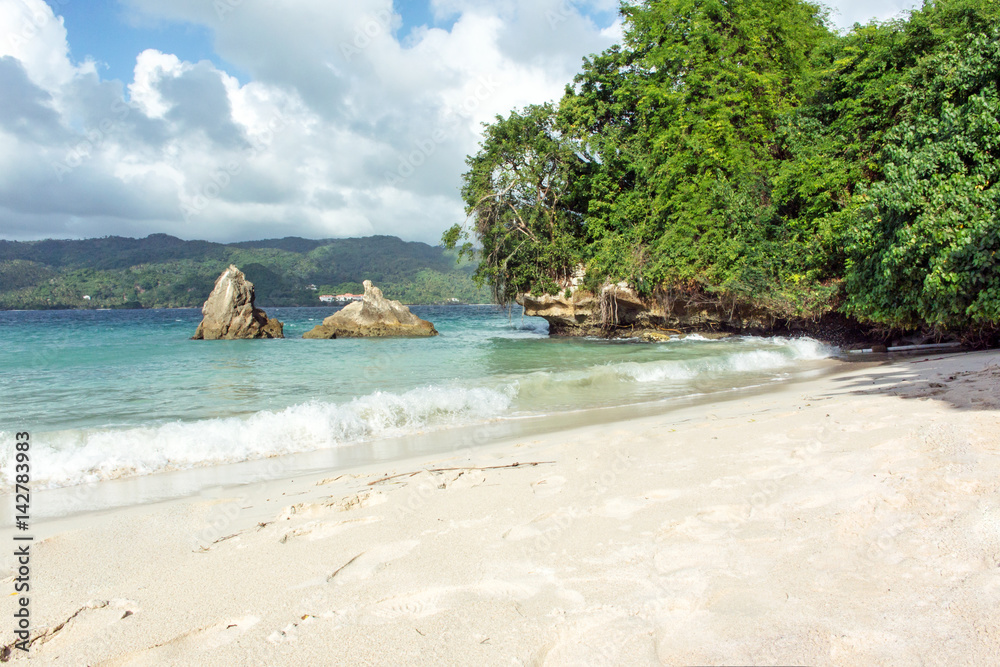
{"type": "Point", "coordinates": [932, 378]}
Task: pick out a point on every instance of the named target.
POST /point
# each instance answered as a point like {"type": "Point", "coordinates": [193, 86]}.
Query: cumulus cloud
{"type": "Point", "coordinates": [347, 123]}
{"type": "Point", "coordinates": [27, 109]}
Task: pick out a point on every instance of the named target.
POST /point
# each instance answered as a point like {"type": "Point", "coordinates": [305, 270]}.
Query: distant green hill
{"type": "Point", "coordinates": [162, 271]}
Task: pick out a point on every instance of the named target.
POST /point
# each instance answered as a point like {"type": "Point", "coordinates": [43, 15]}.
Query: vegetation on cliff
{"type": "Point", "coordinates": [746, 154]}
{"type": "Point", "coordinates": [162, 271]}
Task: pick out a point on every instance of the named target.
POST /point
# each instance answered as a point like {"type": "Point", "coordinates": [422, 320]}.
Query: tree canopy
{"type": "Point", "coordinates": [746, 151]}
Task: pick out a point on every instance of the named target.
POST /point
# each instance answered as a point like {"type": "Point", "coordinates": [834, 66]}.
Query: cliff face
{"type": "Point", "coordinates": [617, 311]}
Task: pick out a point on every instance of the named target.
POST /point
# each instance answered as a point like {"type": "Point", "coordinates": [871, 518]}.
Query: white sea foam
{"type": "Point", "coordinates": [80, 456]}
{"type": "Point", "coordinates": [70, 457]}
{"type": "Point", "coordinates": [781, 353]}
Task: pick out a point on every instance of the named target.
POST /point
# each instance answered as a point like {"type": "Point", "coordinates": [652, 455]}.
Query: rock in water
{"type": "Point", "coordinates": [230, 313]}
{"type": "Point", "coordinates": [375, 317]}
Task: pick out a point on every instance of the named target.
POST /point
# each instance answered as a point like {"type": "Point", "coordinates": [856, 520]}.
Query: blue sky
{"type": "Point", "coordinates": [114, 35]}
{"type": "Point", "coordinates": [328, 118]}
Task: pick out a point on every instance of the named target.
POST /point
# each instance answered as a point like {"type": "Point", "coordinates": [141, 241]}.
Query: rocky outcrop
{"type": "Point", "coordinates": [375, 317]}
{"type": "Point", "coordinates": [230, 313]}
{"type": "Point", "coordinates": [618, 311]}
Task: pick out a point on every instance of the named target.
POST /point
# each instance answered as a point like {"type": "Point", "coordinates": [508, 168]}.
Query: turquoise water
{"type": "Point", "coordinates": [110, 394]}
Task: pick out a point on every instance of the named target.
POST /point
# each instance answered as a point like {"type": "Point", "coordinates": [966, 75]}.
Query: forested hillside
{"type": "Point", "coordinates": [162, 271]}
{"type": "Point", "coordinates": [745, 154]}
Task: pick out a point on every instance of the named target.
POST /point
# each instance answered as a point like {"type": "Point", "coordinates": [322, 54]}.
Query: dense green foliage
{"type": "Point", "coordinates": [925, 248]}
{"type": "Point", "coordinates": [161, 271]}
{"type": "Point", "coordinates": [525, 197]}
{"type": "Point", "coordinates": [745, 152]}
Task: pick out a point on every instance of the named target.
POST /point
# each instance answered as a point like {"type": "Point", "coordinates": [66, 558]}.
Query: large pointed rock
{"type": "Point", "coordinates": [375, 317]}
{"type": "Point", "coordinates": [229, 311]}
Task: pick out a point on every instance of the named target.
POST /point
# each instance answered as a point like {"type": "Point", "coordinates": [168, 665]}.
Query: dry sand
{"type": "Point", "coordinates": [848, 520]}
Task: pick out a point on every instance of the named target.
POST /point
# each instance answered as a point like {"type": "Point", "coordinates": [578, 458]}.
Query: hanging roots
{"type": "Point", "coordinates": [609, 305]}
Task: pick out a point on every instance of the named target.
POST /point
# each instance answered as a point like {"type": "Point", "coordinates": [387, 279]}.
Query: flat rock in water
{"type": "Point", "coordinates": [374, 317]}
{"type": "Point", "coordinates": [229, 312]}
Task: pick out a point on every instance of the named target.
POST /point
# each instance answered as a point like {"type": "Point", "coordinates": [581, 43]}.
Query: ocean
{"type": "Point", "coordinates": [125, 394]}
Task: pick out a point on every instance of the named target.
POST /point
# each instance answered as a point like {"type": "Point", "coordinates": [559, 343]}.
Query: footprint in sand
{"type": "Point", "coordinates": [548, 486]}
{"type": "Point", "coordinates": [464, 480]}
{"type": "Point", "coordinates": [290, 632]}
{"type": "Point", "coordinates": [550, 523]}
{"type": "Point", "coordinates": [624, 507]}
{"type": "Point", "coordinates": [90, 620]}
{"type": "Point", "coordinates": [712, 523]}
{"type": "Point", "coordinates": [599, 635]}
{"type": "Point", "coordinates": [621, 508]}
{"type": "Point", "coordinates": [318, 530]}
{"type": "Point", "coordinates": [415, 605]}
{"type": "Point", "coordinates": [180, 649]}
{"type": "Point", "coordinates": [358, 501]}
{"type": "Point", "coordinates": [431, 601]}
{"type": "Point", "coordinates": [353, 502]}
{"type": "Point", "coordinates": [367, 563]}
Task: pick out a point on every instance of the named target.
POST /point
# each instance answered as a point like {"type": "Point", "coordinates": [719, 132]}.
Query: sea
{"type": "Point", "coordinates": [122, 401]}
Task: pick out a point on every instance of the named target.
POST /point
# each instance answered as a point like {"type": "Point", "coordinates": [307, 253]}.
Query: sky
{"type": "Point", "coordinates": [232, 120]}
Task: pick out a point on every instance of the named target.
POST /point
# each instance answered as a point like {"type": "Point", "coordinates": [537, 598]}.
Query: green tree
{"type": "Point", "coordinates": [658, 166]}
{"type": "Point", "coordinates": [522, 192]}
{"type": "Point", "coordinates": [924, 250]}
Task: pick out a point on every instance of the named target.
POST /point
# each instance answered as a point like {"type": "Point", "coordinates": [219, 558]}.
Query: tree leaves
{"type": "Point", "coordinates": [925, 248]}
{"type": "Point", "coordinates": [744, 150]}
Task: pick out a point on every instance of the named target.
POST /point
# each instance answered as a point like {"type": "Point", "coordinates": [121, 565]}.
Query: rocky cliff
{"type": "Point", "coordinates": [617, 311]}
{"type": "Point", "coordinates": [230, 313]}
{"type": "Point", "coordinates": [374, 316]}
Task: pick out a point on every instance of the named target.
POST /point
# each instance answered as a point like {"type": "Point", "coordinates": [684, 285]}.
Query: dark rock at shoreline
{"type": "Point", "coordinates": [373, 317]}
{"type": "Point", "coordinates": [229, 313]}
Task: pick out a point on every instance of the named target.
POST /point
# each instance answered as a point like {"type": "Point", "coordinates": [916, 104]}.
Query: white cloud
{"type": "Point", "coordinates": [348, 124]}
{"type": "Point", "coordinates": [150, 68]}
{"type": "Point", "coordinates": [34, 35]}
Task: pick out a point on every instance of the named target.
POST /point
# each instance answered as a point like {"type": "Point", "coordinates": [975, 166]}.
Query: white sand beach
{"type": "Point", "coordinates": [852, 519]}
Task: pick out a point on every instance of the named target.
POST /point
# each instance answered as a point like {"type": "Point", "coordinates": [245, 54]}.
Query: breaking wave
{"type": "Point", "coordinates": [64, 458]}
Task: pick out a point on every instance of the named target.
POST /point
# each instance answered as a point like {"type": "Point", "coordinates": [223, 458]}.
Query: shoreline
{"type": "Point", "coordinates": [167, 485]}
{"type": "Point", "coordinates": [845, 519]}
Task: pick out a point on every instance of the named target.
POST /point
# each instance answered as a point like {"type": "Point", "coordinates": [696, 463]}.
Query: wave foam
{"type": "Point", "coordinates": [786, 352]}
{"type": "Point", "coordinates": [66, 458]}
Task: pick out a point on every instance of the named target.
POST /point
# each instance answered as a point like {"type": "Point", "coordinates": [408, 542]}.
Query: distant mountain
{"type": "Point", "coordinates": [162, 271]}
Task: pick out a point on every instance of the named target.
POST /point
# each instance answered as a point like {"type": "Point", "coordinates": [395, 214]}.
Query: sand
{"type": "Point", "coordinates": [852, 519]}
